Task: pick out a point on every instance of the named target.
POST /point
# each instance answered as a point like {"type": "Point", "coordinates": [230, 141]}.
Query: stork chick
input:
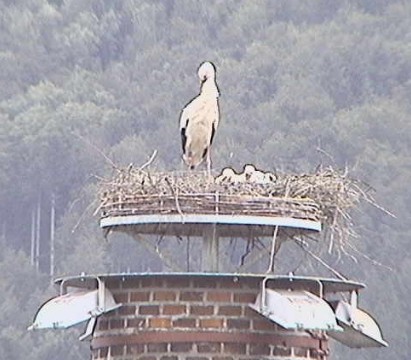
{"type": "Point", "coordinates": [228, 176]}
{"type": "Point", "coordinates": [252, 175]}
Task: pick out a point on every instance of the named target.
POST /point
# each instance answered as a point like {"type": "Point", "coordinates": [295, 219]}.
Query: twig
{"type": "Point", "coordinates": [82, 216]}
{"type": "Point", "coordinates": [374, 262]}
{"type": "Point", "coordinates": [325, 153]}
{"type": "Point", "coordinates": [89, 143]}
{"type": "Point", "coordinates": [331, 242]}
{"type": "Point", "coordinates": [176, 198]}
{"type": "Point", "coordinates": [371, 201]}
{"type": "Point", "coordinates": [153, 155]}
{"type": "Point", "coordinates": [301, 244]}
{"type": "Point", "coordinates": [326, 196]}
{"type": "Point", "coordinates": [157, 252]}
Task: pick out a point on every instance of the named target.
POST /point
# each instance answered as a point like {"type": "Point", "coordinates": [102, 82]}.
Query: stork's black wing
{"type": "Point", "coordinates": [183, 139]}
{"type": "Point", "coordinates": [183, 128]}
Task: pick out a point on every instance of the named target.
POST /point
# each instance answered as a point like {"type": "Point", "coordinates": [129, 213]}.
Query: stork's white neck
{"type": "Point", "coordinates": [209, 88]}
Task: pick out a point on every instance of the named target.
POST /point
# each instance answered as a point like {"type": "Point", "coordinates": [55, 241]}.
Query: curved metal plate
{"type": "Point", "coordinates": [360, 329]}
{"type": "Point", "coordinates": [73, 308]}
{"type": "Point", "coordinates": [67, 310]}
{"type": "Point", "coordinates": [227, 225]}
{"type": "Point", "coordinates": [296, 310]}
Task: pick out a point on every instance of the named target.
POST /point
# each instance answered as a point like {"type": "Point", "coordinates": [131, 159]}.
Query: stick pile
{"type": "Point", "coordinates": [326, 195]}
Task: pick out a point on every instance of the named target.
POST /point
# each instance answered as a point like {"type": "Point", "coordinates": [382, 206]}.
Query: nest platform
{"type": "Point", "coordinates": [186, 203]}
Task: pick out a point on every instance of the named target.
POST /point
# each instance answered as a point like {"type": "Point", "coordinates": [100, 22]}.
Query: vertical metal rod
{"type": "Point", "coordinates": [188, 253]}
{"type": "Point", "coordinates": [354, 299]}
{"type": "Point", "coordinates": [263, 292]}
{"type": "Point", "coordinates": [320, 289]}
{"type": "Point", "coordinates": [33, 237]}
{"type": "Point", "coordinates": [215, 249]}
{"type": "Point", "coordinates": [101, 286]}
{"type": "Point", "coordinates": [52, 232]}
{"type": "Point", "coordinates": [38, 224]}
{"type": "Point", "coordinates": [210, 258]}
{"type": "Point", "coordinates": [272, 255]}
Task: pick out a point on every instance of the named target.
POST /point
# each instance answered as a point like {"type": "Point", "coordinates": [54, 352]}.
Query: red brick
{"type": "Point", "coordinates": [229, 310]}
{"type": "Point", "coordinates": [130, 283]}
{"type": "Point", "coordinates": [127, 310]}
{"type": "Point", "coordinates": [102, 324]}
{"type": "Point", "coordinates": [231, 284]}
{"type": "Point", "coordinates": [116, 323]}
{"type": "Point", "coordinates": [316, 354]}
{"type": "Point", "coordinates": [264, 325]}
{"type": "Point", "coordinates": [136, 322]}
{"type": "Point", "coordinates": [103, 352]}
{"type": "Point", "coordinates": [140, 296]}
{"type": "Point", "coordinates": [159, 322]}
{"type": "Point", "coordinates": [157, 347]}
{"type": "Point", "coordinates": [112, 284]}
{"type": "Point", "coordinates": [245, 297]}
{"type": "Point", "coordinates": [281, 351]}
{"type": "Point", "coordinates": [184, 323]}
{"type": "Point", "coordinates": [164, 295]}
{"type": "Point", "coordinates": [117, 350]}
{"type": "Point", "coordinates": [134, 349]}
{"type": "Point", "coordinates": [191, 296]}
{"type": "Point", "coordinates": [121, 297]}
{"type": "Point", "coordinates": [151, 282]}
{"type": "Point", "coordinates": [178, 283]}
{"type": "Point", "coordinates": [111, 314]}
{"type": "Point", "coordinates": [212, 323]}
{"type": "Point", "coordinates": [209, 347]}
{"type": "Point", "coordinates": [259, 349]}
{"type": "Point", "coordinates": [301, 352]}
{"type": "Point", "coordinates": [219, 296]}
{"type": "Point", "coordinates": [182, 347]}
{"type": "Point", "coordinates": [234, 348]}
{"type": "Point", "coordinates": [149, 310]}
{"type": "Point", "coordinates": [251, 313]}
{"type": "Point", "coordinates": [201, 310]}
{"type": "Point", "coordinates": [174, 309]}
{"type": "Point", "coordinates": [204, 283]}
{"type": "Point", "coordinates": [250, 284]}
{"type": "Point", "coordinates": [238, 324]}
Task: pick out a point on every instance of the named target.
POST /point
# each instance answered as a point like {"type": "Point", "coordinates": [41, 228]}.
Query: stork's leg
{"type": "Point", "coordinates": [183, 166]}
{"type": "Point", "coordinates": [209, 163]}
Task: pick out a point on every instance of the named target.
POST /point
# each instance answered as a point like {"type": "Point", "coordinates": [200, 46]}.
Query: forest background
{"type": "Point", "coordinates": [302, 83]}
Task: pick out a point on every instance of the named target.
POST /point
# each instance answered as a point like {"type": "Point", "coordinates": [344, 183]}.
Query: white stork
{"type": "Point", "coordinates": [199, 119]}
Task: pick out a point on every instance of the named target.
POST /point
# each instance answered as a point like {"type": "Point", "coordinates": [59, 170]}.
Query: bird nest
{"type": "Point", "coordinates": [326, 196]}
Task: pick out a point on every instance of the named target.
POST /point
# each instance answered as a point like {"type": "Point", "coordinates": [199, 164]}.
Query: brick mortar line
{"type": "Point", "coordinates": [206, 336]}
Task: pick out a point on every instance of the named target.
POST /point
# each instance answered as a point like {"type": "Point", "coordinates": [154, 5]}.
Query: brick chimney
{"type": "Point", "coordinates": [195, 317]}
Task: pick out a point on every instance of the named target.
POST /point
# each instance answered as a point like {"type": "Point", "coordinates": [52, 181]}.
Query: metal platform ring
{"type": "Point", "coordinates": [210, 219]}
